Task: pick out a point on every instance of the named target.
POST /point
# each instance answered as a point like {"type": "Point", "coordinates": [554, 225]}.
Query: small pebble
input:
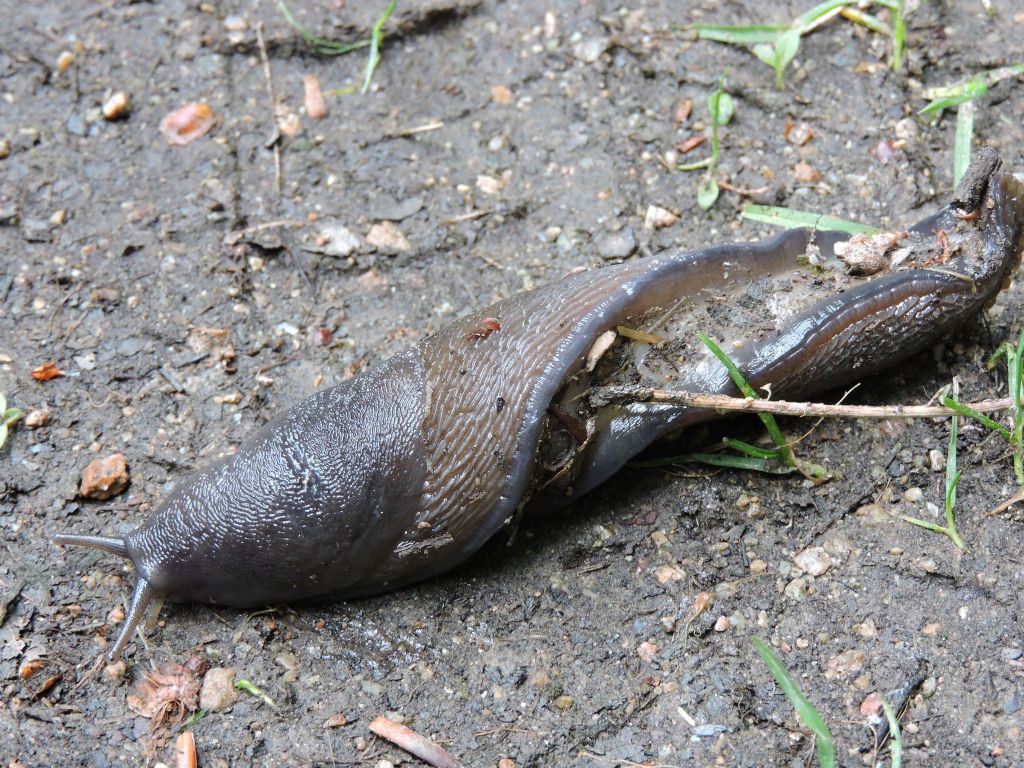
{"type": "Point", "coordinates": [722, 624]}
{"type": "Point", "coordinates": [589, 51]}
{"type": "Point", "coordinates": [116, 106]}
{"type": "Point", "coordinates": [872, 705]}
{"type": "Point", "coordinates": [616, 245]}
{"type": "Point", "coordinates": [936, 460]}
{"type": "Point", "coordinates": [647, 651]}
{"type": "Point", "coordinates": [913, 495]}
{"type": "Point", "coordinates": [501, 94]}
{"type": "Point", "coordinates": [926, 564]}
{"type": "Point", "coordinates": [64, 60]}
{"type": "Point", "coordinates": [668, 573]}
{"type": "Point", "coordinates": [866, 629]}
{"type": "Point", "coordinates": [105, 478]}
{"type": "Point", "coordinates": [335, 239]}
{"type": "Point", "coordinates": [218, 692]}
{"type": "Point", "coordinates": [387, 237]}
{"type": "Point", "coordinates": [845, 663]}
{"type": "Point", "coordinates": [659, 218]}
{"type": "Point", "coordinates": [488, 184]}
{"type": "Point", "coordinates": [814, 561]}
{"type": "Point", "coordinates": [797, 589]}
{"type": "Point", "coordinates": [37, 418]}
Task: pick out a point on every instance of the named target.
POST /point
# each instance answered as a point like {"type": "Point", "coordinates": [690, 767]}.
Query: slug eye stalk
{"type": "Point", "coordinates": [141, 597]}
{"type": "Point", "coordinates": [102, 543]}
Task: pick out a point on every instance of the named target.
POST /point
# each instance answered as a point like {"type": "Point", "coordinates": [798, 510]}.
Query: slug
{"type": "Point", "coordinates": [407, 469]}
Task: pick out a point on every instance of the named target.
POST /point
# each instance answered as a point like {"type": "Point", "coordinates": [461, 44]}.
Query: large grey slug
{"type": "Point", "coordinates": [407, 469]}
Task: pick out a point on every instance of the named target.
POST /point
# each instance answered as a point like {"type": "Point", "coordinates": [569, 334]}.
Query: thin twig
{"type": "Point", "coordinates": [1006, 504]}
{"type": "Point", "coordinates": [467, 217]}
{"type": "Point", "coordinates": [275, 138]}
{"type": "Point", "coordinates": [634, 394]}
{"type": "Point", "coordinates": [433, 125]}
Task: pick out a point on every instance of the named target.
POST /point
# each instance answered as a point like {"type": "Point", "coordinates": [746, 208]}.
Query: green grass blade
{"type": "Point", "coordinates": [971, 88]}
{"type": "Point", "coordinates": [321, 45]}
{"type": "Point", "coordinates": [987, 78]}
{"type": "Point", "coordinates": [952, 474]}
{"type": "Point", "coordinates": [804, 709]}
{"type": "Point", "coordinates": [962, 141]}
{"type": "Point", "coordinates": [899, 34]}
{"type": "Point", "coordinates": [748, 391]}
{"type": "Point", "coordinates": [259, 693]}
{"type": "Point", "coordinates": [730, 461]}
{"type": "Point", "coordinates": [786, 48]}
{"type": "Point", "coordinates": [739, 34]}
{"type": "Point", "coordinates": [895, 736]}
{"type": "Point", "coordinates": [789, 218]}
{"type": "Point", "coordinates": [699, 165]}
{"type": "Point", "coordinates": [981, 418]}
{"type": "Point", "coordinates": [807, 18]}
{"type": "Point", "coordinates": [934, 527]}
{"type": "Point", "coordinates": [376, 38]}
{"type": "Point", "coordinates": [707, 191]}
{"type": "Point", "coordinates": [751, 450]}
{"type": "Point", "coordinates": [1014, 366]}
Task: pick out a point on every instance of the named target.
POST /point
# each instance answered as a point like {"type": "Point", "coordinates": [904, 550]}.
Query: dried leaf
{"type": "Point", "coordinates": [170, 693]}
{"type": "Point", "coordinates": [47, 371]}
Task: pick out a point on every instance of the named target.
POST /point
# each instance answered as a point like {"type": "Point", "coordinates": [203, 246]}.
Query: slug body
{"type": "Point", "coordinates": [407, 469]}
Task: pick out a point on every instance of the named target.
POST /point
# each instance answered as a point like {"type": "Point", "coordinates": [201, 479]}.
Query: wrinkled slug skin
{"type": "Point", "coordinates": [407, 469]}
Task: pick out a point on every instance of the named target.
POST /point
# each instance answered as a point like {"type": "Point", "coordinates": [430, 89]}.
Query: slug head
{"type": "Point", "coordinates": [312, 506]}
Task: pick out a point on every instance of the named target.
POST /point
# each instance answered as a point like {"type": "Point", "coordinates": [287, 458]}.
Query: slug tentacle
{"type": "Point", "coordinates": [141, 598]}
{"type": "Point", "coordinates": [102, 543]}
{"type": "Point", "coordinates": [407, 469]}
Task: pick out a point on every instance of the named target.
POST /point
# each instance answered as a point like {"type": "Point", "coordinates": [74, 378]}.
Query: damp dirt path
{"type": "Point", "coordinates": [189, 293]}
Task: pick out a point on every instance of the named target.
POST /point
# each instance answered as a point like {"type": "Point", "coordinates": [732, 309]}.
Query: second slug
{"type": "Point", "coordinates": [407, 469]}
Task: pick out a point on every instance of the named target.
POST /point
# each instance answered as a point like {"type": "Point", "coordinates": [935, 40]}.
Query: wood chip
{"type": "Point", "coordinates": [185, 747]}
{"type": "Point", "coordinates": [413, 743]}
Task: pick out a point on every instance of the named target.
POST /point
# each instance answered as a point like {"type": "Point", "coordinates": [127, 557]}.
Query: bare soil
{"type": "Point", "coordinates": [505, 150]}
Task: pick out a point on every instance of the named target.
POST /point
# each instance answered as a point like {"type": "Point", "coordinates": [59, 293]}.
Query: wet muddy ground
{"type": "Point", "coordinates": [500, 145]}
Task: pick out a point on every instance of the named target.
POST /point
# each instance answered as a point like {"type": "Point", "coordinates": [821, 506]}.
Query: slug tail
{"type": "Point", "coordinates": [102, 543]}
{"type": "Point", "coordinates": [141, 598]}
